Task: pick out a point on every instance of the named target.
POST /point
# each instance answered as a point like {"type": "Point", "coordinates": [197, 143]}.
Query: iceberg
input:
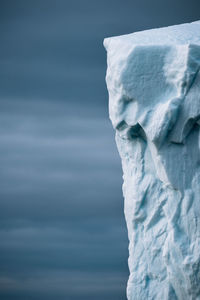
{"type": "Point", "coordinates": [153, 81]}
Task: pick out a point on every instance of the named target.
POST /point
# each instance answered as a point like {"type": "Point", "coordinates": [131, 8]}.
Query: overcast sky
{"type": "Point", "coordinates": [62, 228]}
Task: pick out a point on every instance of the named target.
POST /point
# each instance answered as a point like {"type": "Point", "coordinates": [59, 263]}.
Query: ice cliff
{"type": "Point", "coordinates": [153, 80]}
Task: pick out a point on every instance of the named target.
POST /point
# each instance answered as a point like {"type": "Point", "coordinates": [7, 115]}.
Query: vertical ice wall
{"type": "Point", "coordinates": [153, 80]}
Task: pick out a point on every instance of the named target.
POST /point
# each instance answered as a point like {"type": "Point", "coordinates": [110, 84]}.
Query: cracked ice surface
{"type": "Point", "coordinates": [153, 80]}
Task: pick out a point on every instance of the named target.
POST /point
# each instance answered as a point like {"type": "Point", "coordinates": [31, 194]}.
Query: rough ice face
{"type": "Point", "coordinates": [153, 80]}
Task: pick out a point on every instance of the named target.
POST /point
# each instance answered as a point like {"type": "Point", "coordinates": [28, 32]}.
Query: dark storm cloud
{"type": "Point", "coordinates": [62, 228]}
{"type": "Point", "coordinates": [96, 285]}
{"type": "Point", "coordinates": [54, 159]}
{"type": "Point", "coordinates": [60, 243]}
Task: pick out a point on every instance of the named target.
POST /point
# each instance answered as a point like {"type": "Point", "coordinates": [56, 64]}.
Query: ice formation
{"type": "Point", "coordinates": [153, 80]}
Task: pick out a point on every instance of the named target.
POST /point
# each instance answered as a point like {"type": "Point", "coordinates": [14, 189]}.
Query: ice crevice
{"type": "Point", "coordinates": [153, 80]}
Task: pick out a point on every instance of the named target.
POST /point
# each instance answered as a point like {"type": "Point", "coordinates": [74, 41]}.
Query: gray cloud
{"type": "Point", "coordinates": [70, 285]}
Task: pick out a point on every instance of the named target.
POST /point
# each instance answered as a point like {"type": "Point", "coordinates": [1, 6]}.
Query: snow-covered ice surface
{"type": "Point", "coordinates": [153, 80]}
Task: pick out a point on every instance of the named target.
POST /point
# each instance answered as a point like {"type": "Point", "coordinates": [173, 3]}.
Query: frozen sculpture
{"type": "Point", "coordinates": [153, 81]}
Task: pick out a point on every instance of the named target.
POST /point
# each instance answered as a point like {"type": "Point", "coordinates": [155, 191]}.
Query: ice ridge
{"type": "Point", "coordinates": [153, 80]}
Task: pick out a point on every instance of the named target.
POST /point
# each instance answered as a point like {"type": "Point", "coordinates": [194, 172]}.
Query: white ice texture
{"type": "Point", "coordinates": [153, 80]}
